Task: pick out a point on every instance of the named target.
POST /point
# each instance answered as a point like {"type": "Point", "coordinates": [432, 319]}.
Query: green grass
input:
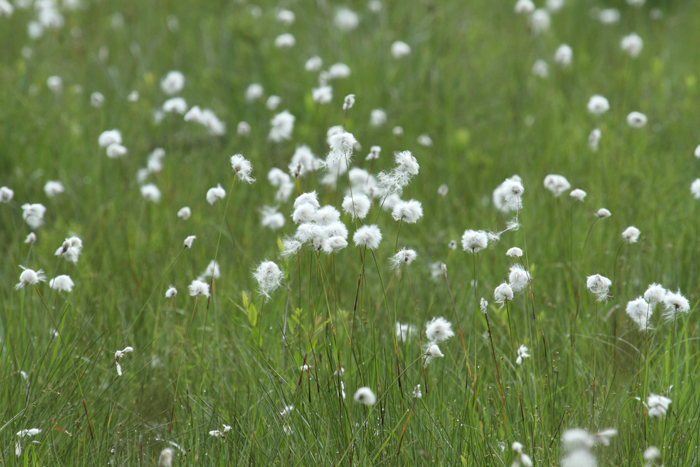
{"type": "Point", "coordinates": [468, 84]}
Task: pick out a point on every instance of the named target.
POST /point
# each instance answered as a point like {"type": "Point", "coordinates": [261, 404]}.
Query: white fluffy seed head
{"type": "Point", "coordinates": [654, 294]}
{"type": "Point", "coordinates": [599, 286]}
{"type": "Point", "coordinates": [518, 277]}
{"type": "Point", "coordinates": [369, 236]}
{"type": "Point", "coordinates": [199, 288]}
{"type": "Point", "coordinates": [407, 211]}
{"type": "Point", "coordinates": [578, 194]}
{"type": "Point", "coordinates": [631, 234]}
{"type": "Point", "coordinates": [514, 252]}
{"type": "Point", "coordinates": [215, 194]}
{"type": "Point", "coordinates": [438, 330]}
{"type": "Point", "coordinates": [269, 277]}
{"type": "Point", "coordinates": [404, 256]}
{"type": "Point", "coordinates": [62, 283]}
{"type": "Point", "coordinates": [356, 205]}
{"type": "Point", "coordinates": [474, 241]}
{"type": "Point", "coordinates": [365, 396]}
{"type": "Point", "coordinates": [184, 213]}
{"type": "Point", "coordinates": [503, 293]}
{"type": "Point", "coordinates": [171, 292]}
{"type": "Point", "coordinates": [557, 184]}
{"type": "Point", "coordinates": [598, 105]}
{"type": "Point", "coordinates": [603, 213]}
{"type": "Point", "coordinates": [242, 167]}
{"type": "Point", "coordinates": [189, 240]}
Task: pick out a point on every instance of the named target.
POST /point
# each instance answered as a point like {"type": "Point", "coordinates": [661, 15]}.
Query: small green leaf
{"type": "Point", "coordinates": [252, 315]}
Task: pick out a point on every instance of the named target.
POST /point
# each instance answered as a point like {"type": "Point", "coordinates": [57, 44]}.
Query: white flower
{"type": "Point", "coordinates": [338, 71]}
{"type": "Point", "coordinates": [243, 128]}
{"type": "Point", "coordinates": [322, 95]}
{"type": "Point", "coordinates": [540, 21]}
{"type": "Point", "coordinates": [242, 167]}
{"type": "Point", "coordinates": [189, 240]}
{"type": "Point", "coordinates": [474, 241]}
{"type": "Point", "coordinates": [198, 288]}
{"type": "Point", "coordinates": [365, 396]}
{"type": "Point", "coordinates": [286, 17]}
{"type": "Point", "coordinates": [405, 331]}
{"type": "Point", "coordinates": [394, 181]}
{"type": "Point", "coordinates": [404, 256]}
{"type": "Point", "coordinates": [155, 160]}
{"type": "Point", "coordinates": [184, 213]}
{"type": "Point", "coordinates": [514, 252]}
{"type": "Point", "coordinates": [578, 194]}
{"type": "Point", "coordinates": [503, 293]}
{"type": "Point", "coordinates": [62, 283]}
{"type": "Point", "coordinates": [175, 105]}
{"type": "Point", "coordinates": [33, 214]}
{"type": "Point", "coordinates": [6, 8]}
{"type": "Point", "coordinates": [563, 55]}
{"type": "Point", "coordinates": [603, 213]}
{"type": "Point", "coordinates": [369, 236]}
{"type": "Point", "coordinates": [70, 250]}
{"type": "Point", "coordinates": [594, 139]}
{"type": "Point", "coordinates": [640, 311]}
{"type": "Point", "coordinates": [557, 184]}
{"type": "Point", "coordinates": [658, 405]}
{"type": "Point", "coordinates": [269, 277]}
{"type": "Point", "coordinates": [215, 194]}
{"type": "Point", "coordinates": [598, 105]}
{"type": "Point", "coordinates": [291, 248]}
{"type": "Point", "coordinates": [285, 41]}
{"type": "Point", "coordinates": [654, 294]}
{"type": "Point", "coordinates": [97, 99]}
{"type": "Point", "coordinates": [407, 211]}
{"type": "Point", "coordinates": [400, 49]}
{"type": "Point", "coordinates": [438, 330]}
{"type": "Point", "coordinates": [166, 458]}
{"type": "Point", "coordinates": [314, 63]}
{"type": "Point", "coordinates": [171, 292]}
{"type": "Point", "coordinates": [632, 44]}
{"type": "Point", "coordinates": [416, 392]}
{"type": "Point", "coordinates": [118, 355]}
{"type": "Point", "coordinates": [334, 244]}
{"type": "Point", "coordinates": [579, 458]}
{"type": "Point", "coordinates": [599, 285]}
{"type": "Point", "coordinates": [133, 96]}
{"type": "Point", "coordinates": [356, 205]}
{"type": "Point", "coordinates": [636, 119]}
{"type": "Point", "coordinates": [674, 303]}
{"type": "Point", "coordinates": [397, 131]}
{"type": "Point", "coordinates": [424, 140]}
{"type": "Point", "coordinates": [346, 20]}
{"type": "Point", "coordinates": [194, 115]}
{"type": "Point", "coordinates": [115, 151]}
{"type": "Point", "coordinates": [483, 305]}
{"type": "Point", "coordinates": [282, 126]}
{"type": "Point", "coordinates": [377, 118]}
{"type": "Point", "coordinates": [651, 454]}
{"type": "Point", "coordinates": [340, 155]}
{"type": "Point", "coordinates": [442, 190]}
{"type": "Point", "coordinates": [374, 153]}
{"type": "Point", "coordinates": [609, 16]}
{"type": "Point", "coordinates": [52, 188]}
{"type": "Point", "coordinates": [151, 193]}
{"type": "Point", "coordinates": [523, 7]}
{"type": "Point", "coordinates": [29, 432]}
{"type": "Point", "coordinates": [55, 84]}
{"type": "Point", "coordinates": [271, 218]}
{"type": "Point", "coordinates": [518, 277]}
{"type": "Point", "coordinates": [631, 234]}
{"type": "Point", "coordinates": [577, 438]}
{"type": "Point", "coordinates": [173, 83]}
{"type": "Point", "coordinates": [31, 238]}
{"type": "Point", "coordinates": [253, 92]}
{"type": "Point", "coordinates": [432, 351]}
{"type": "Point", "coordinates": [109, 137]}
{"type": "Point", "coordinates": [212, 270]}
{"type": "Point", "coordinates": [522, 354]}
{"type": "Point", "coordinates": [695, 188]}
{"type": "Point", "coordinates": [540, 68]}
{"type": "Point", "coordinates": [6, 194]}
{"type": "Point", "coordinates": [304, 213]}
{"type": "Point", "coordinates": [348, 102]}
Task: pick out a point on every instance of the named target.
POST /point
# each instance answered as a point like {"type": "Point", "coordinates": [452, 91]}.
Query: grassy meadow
{"type": "Point", "coordinates": [240, 378]}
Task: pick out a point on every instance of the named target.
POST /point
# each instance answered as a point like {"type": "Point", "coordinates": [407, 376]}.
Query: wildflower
{"type": "Point", "coordinates": [563, 55]}
{"type": "Point", "coordinates": [658, 405]}
{"type": "Point", "coordinates": [346, 20]}
{"type": "Point", "coordinates": [28, 433]}
{"type": "Point", "coordinates": [171, 292]}
{"type": "Point", "coordinates": [314, 63]}
{"type": "Point", "coordinates": [166, 458]}
{"type": "Point", "coordinates": [215, 194]}
{"type": "Point", "coordinates": [291, 248]}
{"type": "Point", "coordinates": [512, 191]}
{"type": "Point", "coordinates": [253, 92]}
{"type": "Point", "coordinates": [425, 140]}
{"type": "Point", "coordinates": [632, 44]}
{"type": "Point", "coordinates": [390, 201]}
{"type": "Point", "coordinates": [242, 167]}
{"type": "Point", "coordinates": [594, 139]}
{"type": "Point", "coordinates": [322, 95]}
{"type": "Point", "coordinates": [55, 84]}
{"type": "Point", "coordinates": [523, 7]}
{"type": "Point", "coordinates": [198, 288]}
{"type": "Point", "coordinates": [603, 437]}
{"type": "Point", "coordinates": [31, 238]}
{"type": "Point", "coordinates": [603, 213]}
{"type": "Point", "coordinates": [577, 438]}
{"type": "Point", "coordinates": [269, 277]}
{"type": "Point", "coordinates": [522, 354]}
{"type": "Point", "coordinates": [243, 128]}
{"type": "Point", "coordinates": [474, 241]}
{"type": "Point", "coordinates": [405, 331]}
{"type": "Point", "coordinates": [579, 458]}
{"type": "Point", "coordinates": [133, 96]}
{"type": "Point", "coordinates": [189, 240]}
{"type": "Point", "coordinates": [397, 131]}
{"type": "Point", "coordinates": [30, 277]}
{"type": "Point", "coordinates": [636, 119]}
{"type": "Point", "coordinates": [338, 71]}
{"type": "Point", "coordinates": [175, 105]}
{"type": "Point", "coordinates": [400, 49]}
{"type": "Point", "coordinates": [432, 351]}
{"type": "Point", "coordinates": [118, 355]}
{"type": "Point", "coordinates": [194, 115]}
{"type": "Point", "coordinates": [334, 244]}
{"type": "Point", "coordinates": [365, 396]}
{"type": "Point", "coordinates": [540, 21]}
{"type": "Point", "coordinates": [374, 153]}
{"type": "Point", "coordinates": [407, 211]}
{"type": "Point", "coordinates": [155, 160]}
{"type": "Point", "coordinates": [654, 294]}
{"type": "Point", "coordinates": [33, 214]}
{"type": "Point", "coordinates": [212, 270]}
{"type": "Point", "coordinates": [631, 234]}
{"type": "Point", "coordinates": [609, 16]}
{"type": "Point", "coordinates": [115, 151]}
{"type": "Point", "coordinates": [639, 311]}
{"type": "Point", "coordinates": [109, 137]}
{"type": "Point", "coordinates": [368, 236]}
{"type": "Point", "coordinates": [483, 304]}
{"type": "Point", "coordinates": [70, 250]}
{"type": "Point", "coordinates": [442, 190]}
{"type": "Point", "coordinates": [695, 188]}
{"type": "Point", "coordinates": [173, 83]}
{"type": "Point", "coordinates": [184, 213]}
{"type": "Point", "coordinates": [557, 184]}
{"type": "Point", "coordinates": [151, 193]}
{"type": "Point", "coordinates": [599, 285]}
{"type": "Point", "coordinates": [282, 127]}
{"type": "Point", "coordinates": [97, 99]}
{"type": "Point", "coordinates": [404, 256]}
{"type": "Point", "coordinates": [285, 41]}
{"type": "Point", "coordinates": [356, 205]}
{"type": "Point", "coordinates": [438, 330]}
{"type": "Point", "coordinates": [540, 69]}
{"type": "Point", "coordinates": [6, 194]}
{"type": "Point", "coordinates": [598, 105]}
{"type": "Point", "coordinates": [519, 278]}
{"type": "Point", "coordinates": [271, 218]}
{"type": "Point", "coordinates": [578, 194]}
{"type": "Point", "coordinates": [503, 293]}
{"type": "Point", "coordinates": [416, 392]}
{"type": "Point", "coordinates": [514, 252]}
{"type": "Point", "coordinates": [651, 454]}
{"type": "Point", "coordinates": [348, 102]}
{"type": "Point", "coordinates": [304, 213]}
{"type": "Point", "coordinates": [674, 303]}
{"type": "Point", "coordinates": [62, 283]}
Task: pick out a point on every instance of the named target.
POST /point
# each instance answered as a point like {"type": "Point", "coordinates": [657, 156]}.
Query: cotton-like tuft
{"type": "Point", "coordinates": [115, 151]}
{"type": "Point", "coordinates": [639, 312]}
{"type": "Point", "coordinates": [62, 283]}
{"type": "Point", "coordinates": [53, 188]}
{"type": "Point", "coordinates": [242, 167]}
{"type": "Point", "coordinates": [365, 396]}
{"type": "Point", "coordinates": [282, 127]}
{"type": "Point", "coordinates": [474, 241]}
{"type": "Point", "coordinates": [369, 236]}
{"type": "Point", "coordinates": [171, 292]}
{"type": "Point", "coordinates": [514, 252]}
{"type": "Point", "coordinates": [658, 405]}
{"type": "Point", "coordinates": [522, 354]}
{"type": "Point", "coordinates": [215, 194]}
{"type": "Point", "coordinates": [636, 119]}
{"type": "Point", "coordinates": [184, 213]}
{"type": "Point", "coordinates": [334, 244]}
{"type": "Point", "coordinates": [503, 293]}
{"type": "Point", "coordinates": [654, 294]}
{"type": "Point", "coordinates": [540, 21]}
{"type": "Point", "coordinates": [524, 7]}
{"type": "Point", "coordinates": [404, 256]}
{"type": "Point", "coordinates": [598, 105]}
{"type": "Point", "coordinates": [253, 92]}
{"type": "Point", "coordinates": [356, 205]}
{"type": "Point", "coordinates": [400, 49]}
{"type": "Point", "coordinates": [407, 211]}
{"type": "Point", "coordinates": [599, 286]}
{"type": "Point", "coordinates": [557, 184]}
{"type": "Point", "coordinates": [314, 63]}
{"type": "Point", "coordinates": [30, 277]}
{"type": "Point", "coordinates": [346, 19]}
{"type": "Point", "coordinates": [563, 55]}
{"type": "Point", "coordinates": [631, 234]}
{"type": "Point", "coordinates": [109, 137]}
{"type": "Point", "coordinates": [632, 45]}
{"type": "Point", "coordinates": [594, 139]}
{"type": "Point", "coordinates": [189, 240]}
{"type": "Point", "coordinates": [518, 277]}
{"type": "Point", "coordinates": [269, 277]}
{"type": "Point", "coordinates": [173, 83]}
{"type": "Point", "coordinates": [540, 68]}
{"type": "Point", "coordinates": [675, 303]}
{"type": "Point", "coordinates": [322, 94]}
{"type": "Point", "coordinates": [198, 288]}
{"type": "Point", "coordinates": [6, 194]}
{"type": "Point", "coordinates": [438, 330]}
{"type": "Point", "coordinates": [176, 105]}
{"type": "Point", "coordinates": [150, 192]}
{"type": "Point", "coordinates": [603, 213]}
{"type": "Point", "coordinates": [33, 214]}
{"type": "Point", "coordinates": [578, 194]}
{"type": "Point", "coordinates": [71, 249]}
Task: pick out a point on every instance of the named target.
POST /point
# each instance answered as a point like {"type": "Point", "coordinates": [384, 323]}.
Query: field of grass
{"type": "Point", "coordinates": [278, 377]}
